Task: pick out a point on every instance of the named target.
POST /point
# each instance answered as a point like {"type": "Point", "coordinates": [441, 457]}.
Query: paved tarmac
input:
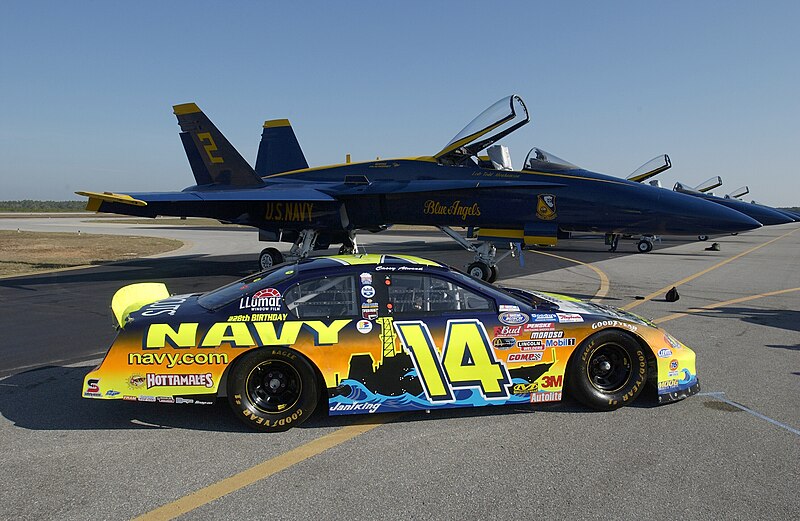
{"type": "Point", "coordinates": [729, 453]}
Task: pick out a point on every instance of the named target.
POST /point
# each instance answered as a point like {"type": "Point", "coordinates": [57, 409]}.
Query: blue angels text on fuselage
{"type": "Point", "coordinates": [457, 186]}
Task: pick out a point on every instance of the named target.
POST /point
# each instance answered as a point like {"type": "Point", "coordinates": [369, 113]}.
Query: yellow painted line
{"type": "Point", "coordinates": [253, 474]}
{"type": "Point", "coordinates": [703, 272]}
{"type": "Point", "coordinates": [722, 304]}
{"type": "Point", "coordinates": [604, 284]}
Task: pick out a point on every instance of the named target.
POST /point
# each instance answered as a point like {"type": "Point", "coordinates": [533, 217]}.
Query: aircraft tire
{"type": "Point", "coordinates": [702, 237]}
{"type": "Point", "coordinates": [493, 274]}
{"type": "Point", "coordinates": [273, 389]}
{"type": "Point", "coordinates": [644, 246]}
{"type": "Point", "coordinates": [607, 371]}
{"type": "Point", "coordinates": [480, 270]}
{"type": "Point", "coordinates": [268, 258]}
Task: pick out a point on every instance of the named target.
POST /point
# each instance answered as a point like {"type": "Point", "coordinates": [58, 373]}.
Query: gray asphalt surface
{"type": "Point", "coordinates": [702, 458]}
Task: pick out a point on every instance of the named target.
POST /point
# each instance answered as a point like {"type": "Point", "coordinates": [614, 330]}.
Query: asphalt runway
{"type": "Point", "coordinates": [730, 452]}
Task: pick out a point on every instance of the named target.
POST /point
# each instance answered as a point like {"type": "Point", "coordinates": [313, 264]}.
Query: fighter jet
{"type": "Point", "coordinates": [457, 186]}
{"type": "Point", "coordinates": [763, 214]}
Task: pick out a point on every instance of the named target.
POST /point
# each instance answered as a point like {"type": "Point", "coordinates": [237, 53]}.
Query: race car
{"type": "Point", "coordinates": [379, 333]}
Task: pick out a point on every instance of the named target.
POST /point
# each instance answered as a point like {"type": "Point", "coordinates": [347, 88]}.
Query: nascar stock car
{"type": "Point", "coordinates": [370, 333]}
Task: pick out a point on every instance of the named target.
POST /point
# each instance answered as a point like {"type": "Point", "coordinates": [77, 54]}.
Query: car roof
{"type": "Point", "coordinates": [367, 259]}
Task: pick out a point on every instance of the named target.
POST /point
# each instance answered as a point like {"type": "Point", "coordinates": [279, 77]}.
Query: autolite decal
{"type": "Point", "coordinates": [179, 380]}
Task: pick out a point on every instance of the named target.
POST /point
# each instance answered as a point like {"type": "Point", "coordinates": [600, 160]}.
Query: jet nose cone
{"type": "Point", "coordinates": [728, 220]}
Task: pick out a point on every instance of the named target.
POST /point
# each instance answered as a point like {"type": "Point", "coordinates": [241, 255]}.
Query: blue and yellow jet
{"type": "Point", "coordinates": [469, 183]}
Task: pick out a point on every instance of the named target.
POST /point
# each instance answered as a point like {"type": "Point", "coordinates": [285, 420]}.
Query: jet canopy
{"type": "Point", "coordinates": [538, 159]}
{"type": "Point", "coordinates": [494, 123]}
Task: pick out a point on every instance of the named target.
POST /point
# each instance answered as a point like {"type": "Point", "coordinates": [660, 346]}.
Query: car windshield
{"type": "Point", "coordinates": [491, 124]}
{"type": "Point", "coordinates": [248, 285]}
{"type": "Point", "coordinates": [538, 159]}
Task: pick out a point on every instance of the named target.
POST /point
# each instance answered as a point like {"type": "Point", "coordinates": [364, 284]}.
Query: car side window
{"type": "Point", "coordinates": [415, 293]}
{"type": "Point", "coordinates": [323, 298]}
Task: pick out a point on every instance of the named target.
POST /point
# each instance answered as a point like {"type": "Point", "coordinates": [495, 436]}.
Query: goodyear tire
{"type": "Point", "coordinates": [272, 389]}
{"type": "Point", "coordinates": [607, 371]}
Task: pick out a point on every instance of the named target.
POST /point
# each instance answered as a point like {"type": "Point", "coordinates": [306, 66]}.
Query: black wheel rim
{"type": "Point", "coordinates": [274, 386]}
{"type": "Point", "coordinates": [609, 368]}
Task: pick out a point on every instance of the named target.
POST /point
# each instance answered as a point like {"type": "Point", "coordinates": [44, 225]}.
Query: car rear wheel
{"type": "Point", "coordinates": [607, 371]}
{"type": "Point", "coordinates": [272, 389]}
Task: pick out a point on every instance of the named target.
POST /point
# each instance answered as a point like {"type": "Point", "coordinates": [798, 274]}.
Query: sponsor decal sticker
{"type": "Point", "coordinates": [525, 388]}
{"type": "Point", "coordinates": [546, 396]}
{"type": "Point", "coordinates": [112, 393]}
{"type": "Point", "coordinates": [168, 306]}
{"type": "Point", "coordinates": [531, 345]}
{"type": "Point", "coordinates": [525, 357]}
{"type": "Point", "coordinates": [540, 326]}
{"type": "Point", "coordinates": [664, 353]}
{"type": "Point", "coordinates": [544, 317]}
{"type": "Point", "coordinates": [367, 291]}
{"type": "Point", "coordinates": [503, 343]}
{"type": "Point", "coordinates": [146, 398]}
{"type": "Point", "coordinates": [506, 307]}
{"type": "Point", "coordinates": [179, 380]}
{"type": "Point", "coordinates": [507, 331]}
{"type": "Point", "coordinates": [129, 398]}
{"type": "Point", "coordinates": [364, 326]}
{"type": "Point", "coordinates": [614, 323]}
{"type": "Point", "coordinates": [369, 311]}
{"type": "Point", "coordinates": [136, 380]}
{"type": "Point", "coordinates": [547, 334]}
{"type": "Point", "coordinates": [267, 299]}
{"type": "Point", "coordinates": [513, 318]}
{"type": "Point", "coordinates": [673, 364]}
{"type": "Point", "coordinates": [92, 387]}
{"type": "Point", "coordinates": [165, 399]}
{"type": "Point", "coordinates": [569, 317]}
{"type": "Point", "coordinates": [366, 279]}
{"type": "Point", "coordinates": [369, 407]}
{"type": "Point", "coordinates": [559, 342]}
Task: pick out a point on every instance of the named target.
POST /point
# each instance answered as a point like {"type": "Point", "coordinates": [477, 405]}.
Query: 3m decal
{"type": "Point", "coordinates": [467, 359]}
{"type": "Point", "coordinates": [552, 381]}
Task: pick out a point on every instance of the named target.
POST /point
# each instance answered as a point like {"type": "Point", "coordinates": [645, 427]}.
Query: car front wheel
{"type": "Point", "coordinates": [272, 389]}
{"type": "Point", "coordinates": [607, 371]}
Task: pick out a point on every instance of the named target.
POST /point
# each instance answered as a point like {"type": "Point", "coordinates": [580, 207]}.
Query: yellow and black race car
{"type": "Point", "coordinates": [370, 333]}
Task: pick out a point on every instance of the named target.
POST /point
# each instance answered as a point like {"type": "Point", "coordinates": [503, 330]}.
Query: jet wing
{"type": "Point", "coordinates": [244, 195]}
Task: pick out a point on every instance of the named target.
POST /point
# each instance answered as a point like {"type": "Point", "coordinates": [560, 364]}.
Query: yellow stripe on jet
{"type": "Point", "coordinates": [519, 235]}
{"type": "Point", "coordinates": [185, 108]}
{"type": "Point", "coordinates": [95, 198]}
{"type": "Point", "coordinates": [271, 123]}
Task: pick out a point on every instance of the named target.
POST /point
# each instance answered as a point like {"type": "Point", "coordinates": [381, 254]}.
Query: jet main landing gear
{"type": "Point", "coordinates": [484, 266]}
{"type": "Point", "coordinates": [304, 244]}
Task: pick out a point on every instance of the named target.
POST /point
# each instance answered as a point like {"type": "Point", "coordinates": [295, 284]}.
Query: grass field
{"type": "Point", "coordinates": [29, 252]}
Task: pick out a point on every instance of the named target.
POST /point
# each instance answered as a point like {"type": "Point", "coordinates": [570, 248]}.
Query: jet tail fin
{"type": "Point", "coordinates": [212, 158]}
{"type": "Point", "coordinates": [279, 150]}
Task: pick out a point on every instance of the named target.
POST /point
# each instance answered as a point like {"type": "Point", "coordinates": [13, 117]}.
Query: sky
{"type": "Point", "coordinates": [87, 88]}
